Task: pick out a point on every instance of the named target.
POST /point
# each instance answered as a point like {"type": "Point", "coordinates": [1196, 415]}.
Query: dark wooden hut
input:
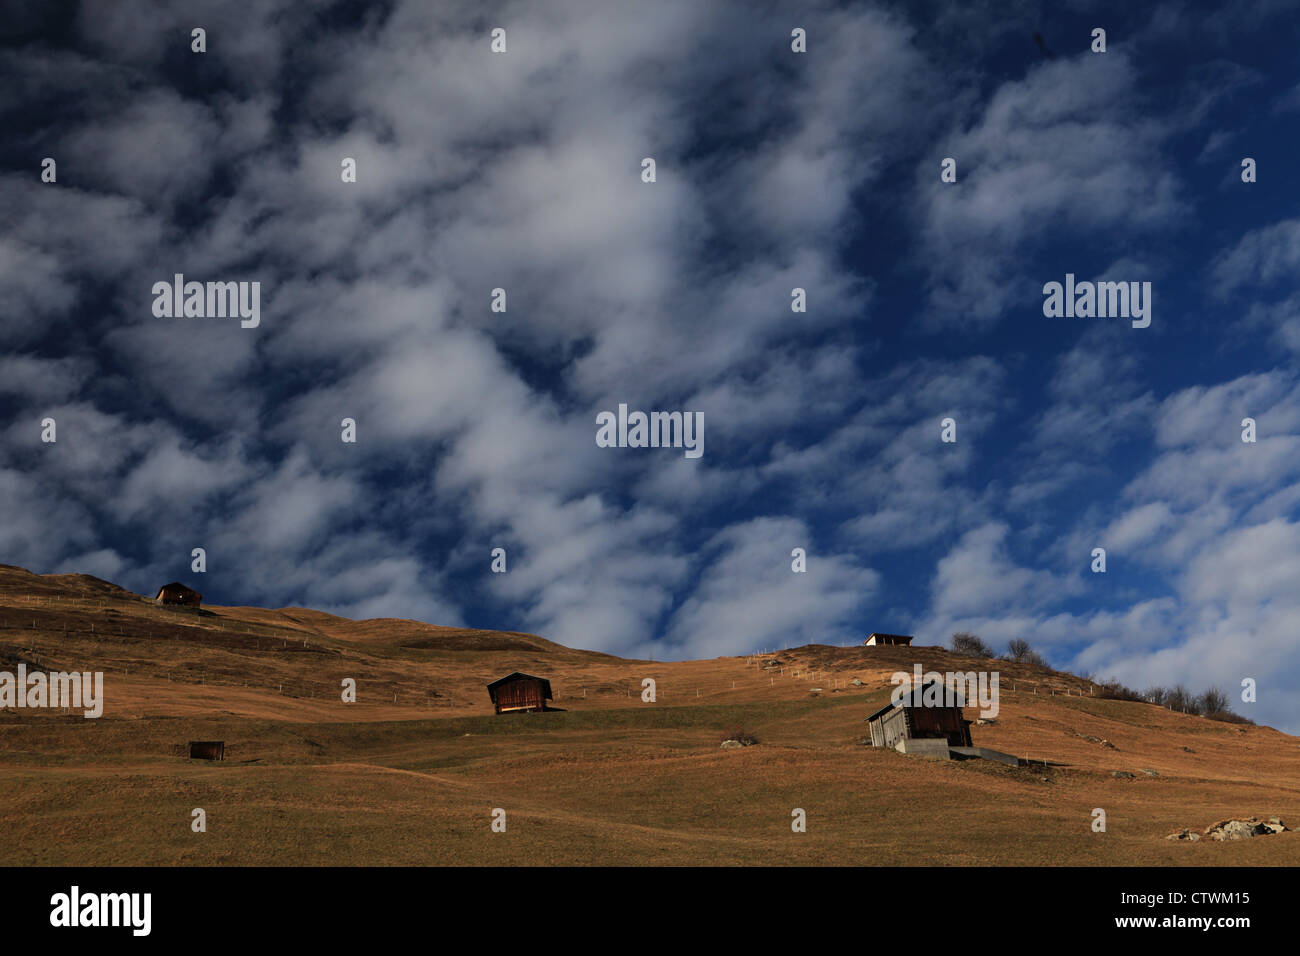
{"type": "Point", "coordinates": [207, 750]}
{"type": "Point", "coordinates": [519, 692]}
{"type": "Point", "coordinates": [177, 593]}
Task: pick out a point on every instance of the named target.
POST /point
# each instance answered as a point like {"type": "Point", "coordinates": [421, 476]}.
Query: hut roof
{"type": "Point", "coordinates": [913, 698]}
{"type": "Point", "coordinates": [492, 687]}
{"type": "Point", "coordinates": [176, 587]}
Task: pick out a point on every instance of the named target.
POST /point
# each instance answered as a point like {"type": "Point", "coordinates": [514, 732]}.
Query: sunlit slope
{"type": "Point", "coordinates": [612, 778]}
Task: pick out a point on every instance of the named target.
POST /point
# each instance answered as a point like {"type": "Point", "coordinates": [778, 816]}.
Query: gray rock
{"type": "Point", "coordinates": [1234, 830]}
{"type": "Point", "coordinates": [1241, 829]}
{"type": "Point", "coordinates": [731, 744]}
{"type": "Point", "coordinates": [855, 682]}
{"type": "Point", "coordinates": [1150, 773]}
{"type": "Point", "coordinates": [1121, 774]}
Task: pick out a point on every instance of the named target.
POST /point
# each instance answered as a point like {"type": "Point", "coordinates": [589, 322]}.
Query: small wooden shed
{"type": "Point", "coordinates": [207, 750]}
{"type": "Point", "coordinates": [889, 640]}
{"type": "Point", "coordinates": [177, 593]}
{"type": "Point", "coordinates": [517, 693]}
{"type": "Point", "coordinates": [911, 719]}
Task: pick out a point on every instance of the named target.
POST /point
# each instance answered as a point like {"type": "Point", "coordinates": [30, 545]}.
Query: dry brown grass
{"type": "Point", "coordinates": [609, 780]}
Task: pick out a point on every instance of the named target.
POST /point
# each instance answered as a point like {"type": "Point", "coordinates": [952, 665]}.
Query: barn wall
{"type": "Point", "coordinates": [175, 597]}
{"type": "Point", "coordinates": [893, 727]}
{"type": "Point", "coordinates": [521, 694]}
{"type": "Point", "coordinates": [943, 722]}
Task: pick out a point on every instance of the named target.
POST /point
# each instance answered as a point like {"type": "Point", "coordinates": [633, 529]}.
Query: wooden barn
{"type": "Point", "coordinates": [518, 693]}
{"type": "Point", "coordinates": [207, 750]}
{"type": "Point", "coordinates": [888, 640]}
{"type": "Point", "coordinates": [910, 719]}
{"type": "Point", "coordinates": [177, 593]}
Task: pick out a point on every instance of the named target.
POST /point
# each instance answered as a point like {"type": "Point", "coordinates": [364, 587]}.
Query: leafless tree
{"type": "Point", "coordinates": [970, 645]}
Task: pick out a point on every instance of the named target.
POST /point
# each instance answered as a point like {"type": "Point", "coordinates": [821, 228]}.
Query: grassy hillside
{"type": "Point", "coordinates": [611, 779]}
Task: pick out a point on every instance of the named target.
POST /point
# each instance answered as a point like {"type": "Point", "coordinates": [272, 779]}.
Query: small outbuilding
{"type": "Point", "coordinates": [177, 593]}
{"type": "Point", "coordinates": [912, 719]}
{"type": "Point", "coordinates": [207, 750]}
{"type": "Point", "coordinates": [889, 640]}
{"type": "Point", "coordinates": [520, 693]}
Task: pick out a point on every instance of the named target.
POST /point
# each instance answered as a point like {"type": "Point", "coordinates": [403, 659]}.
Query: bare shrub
{"type": "Point", "coordinates": [1019, 650]}
{"type": "Point", "coordinates": [1213, 701]}
{"type": "Point", "coordinates": [970, 645]}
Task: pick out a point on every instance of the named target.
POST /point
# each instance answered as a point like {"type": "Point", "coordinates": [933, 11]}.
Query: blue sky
{"type": "Point", "coordinates": [775, 170]}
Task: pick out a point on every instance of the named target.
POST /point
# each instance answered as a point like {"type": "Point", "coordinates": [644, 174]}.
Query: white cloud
{"type": "Point", "coordinates": [748, 595]}
{"type": "Point", "coordinates": [1066, 149]}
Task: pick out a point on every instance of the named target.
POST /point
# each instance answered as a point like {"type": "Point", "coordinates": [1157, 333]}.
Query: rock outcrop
{"type": "Point", "coordinates": [1233, 830]}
